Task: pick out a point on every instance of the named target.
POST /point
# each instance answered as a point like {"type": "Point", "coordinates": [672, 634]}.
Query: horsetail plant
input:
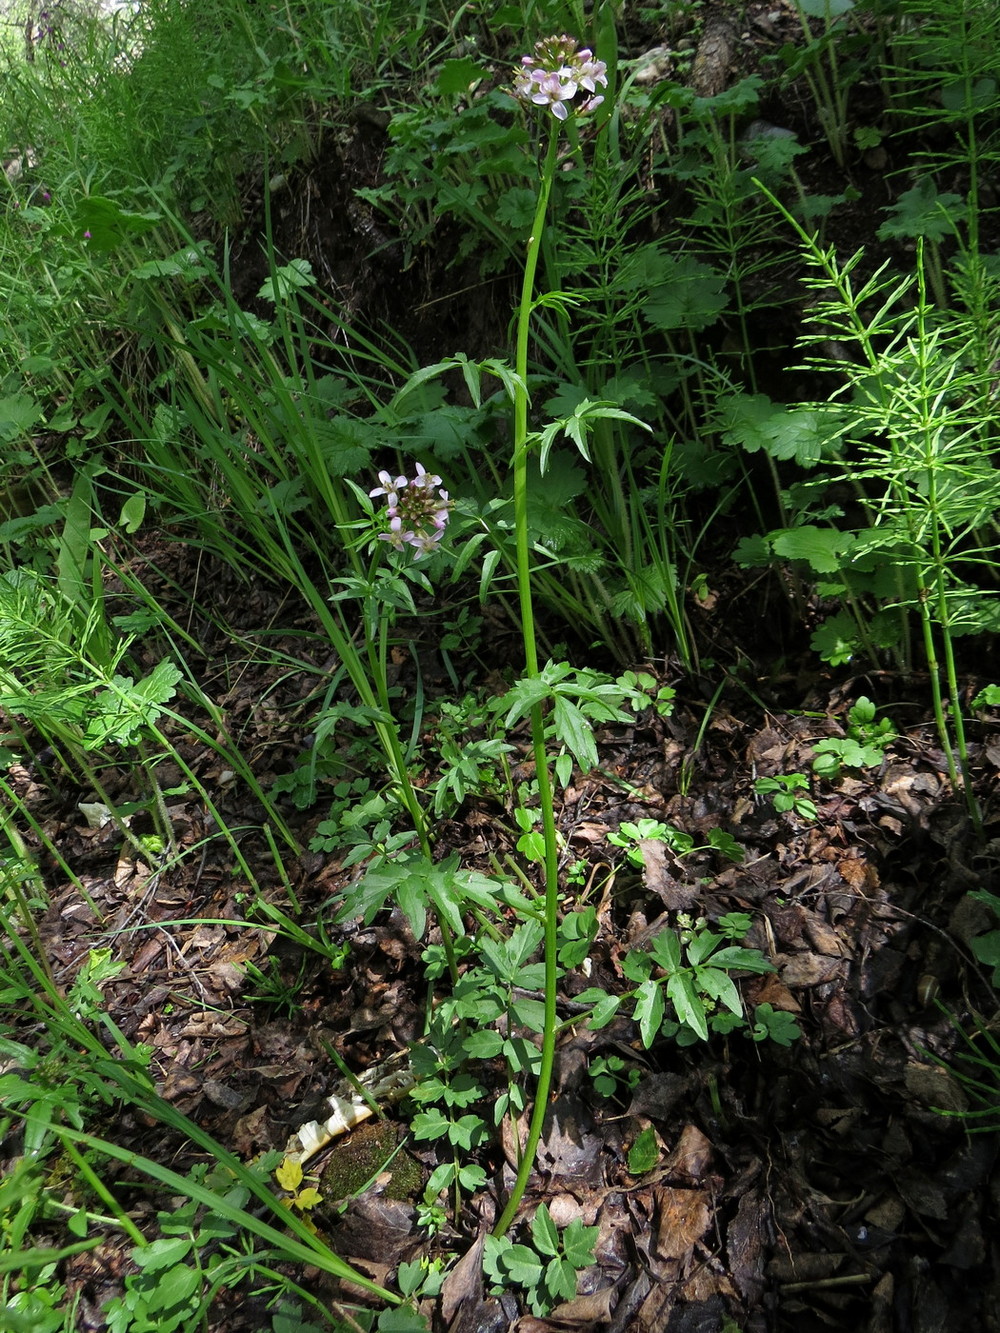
{"type": "Point", "coordinates": [911, 410]}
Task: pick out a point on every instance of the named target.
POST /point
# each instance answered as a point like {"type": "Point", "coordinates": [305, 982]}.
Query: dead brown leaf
{"type": "Point", "coordinates": [676, 897]}
{"type": "Point", "coordinates": [683, 1217]}
{"type": "Point", "coordinates": [691, 1157]}
{"type": "Point", "coordinates": [593, 1310]}
{"type": "Point", "coordinates": [809, 969]}
{"type": "Point", "coordinates": [745, 1237]}
{"type": "Point", "coordinates": [464, 1283]}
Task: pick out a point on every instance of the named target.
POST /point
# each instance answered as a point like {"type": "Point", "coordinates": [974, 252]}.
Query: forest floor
{"type": "Point", "coordinates": [810, 1187]}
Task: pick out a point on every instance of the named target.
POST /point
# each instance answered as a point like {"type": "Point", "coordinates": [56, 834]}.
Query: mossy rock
{"type": "Point", "coordinates": [364, 1154]}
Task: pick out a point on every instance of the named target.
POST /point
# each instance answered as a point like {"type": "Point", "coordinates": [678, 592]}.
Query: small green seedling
{"type": "Point", "coordinates": [273, 989]}
{"type": "Point", "coordinates": [988, 697]}
{"type": "Point", "coordinates": [785, 790]}
{"type": "Point", "coordinates": [577, 932]}
{"type": "Point", "coordinates": [421, 1277]}
{"type": "Point", "coordinates": [864, 745]}
{"type": "Point", "coordinates": [612, 1074]}
{"type": "Point", "coordinates": [630, 837]}
{"type": "Point", "coordinates": [770, 1024]}
{"type": "Point", "coordinates": [547, 1268]}
{"type": "Point", "coordinates": [646, 691]}
{"type": "Point", "coordinates": [684, 989]}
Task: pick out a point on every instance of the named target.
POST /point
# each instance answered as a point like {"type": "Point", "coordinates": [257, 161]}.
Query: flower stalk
{"type": "Point", "coordinates": [553, 76]}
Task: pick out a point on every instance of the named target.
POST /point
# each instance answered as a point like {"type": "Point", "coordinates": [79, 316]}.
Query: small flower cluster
{"type": "Point", "coordinates": [417, 510]}
{"type": "Point", "coordinates": [556, 72]}
{"type": "Point", "coordinates": [46, 30]}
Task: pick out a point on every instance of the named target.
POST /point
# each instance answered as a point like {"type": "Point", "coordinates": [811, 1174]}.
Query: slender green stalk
{"type": "Point", "coordinates": [545, 795]}
{"type": "Point", "coordinates": [931, 438]}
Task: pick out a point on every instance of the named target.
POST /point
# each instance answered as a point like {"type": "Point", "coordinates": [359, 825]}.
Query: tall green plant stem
{"type": "Point", "coordinates": [931, 438]}
{"type": "Point", "coordinates": [522, 444]}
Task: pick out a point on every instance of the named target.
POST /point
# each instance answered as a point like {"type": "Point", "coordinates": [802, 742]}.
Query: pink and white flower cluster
{"type": "Point", "coordinates": [556, 72]}
{"type": "Point", "coordinates": [417, 510]}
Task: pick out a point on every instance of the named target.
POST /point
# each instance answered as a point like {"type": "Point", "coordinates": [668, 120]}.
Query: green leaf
{"type": "Point", "coordinates": [922, 211]}
{"type": "Point", "coordinates": [133, 511]}
{"type": "Point", "coordinates": [432, 1124]}
{"type": "Point", "coordinates": [75, 542]}
{"type": "Point", "coordinates": [515, 208]}
{"type": "Point", "coordinates": [825, 9]}
{"type": "Point", "coordinates": [176, 1285]}
{"type": "Point", "coordinates": [523, 1057]}
{"type": "Point", "coordinates": [366, 897]}
{"type": "Point", "coordinates": [649, 1011]}
{"type": "Point", "coordinates": [718, 985]}
{"type": "Point", "coordinates": [752, 552]}
{"type": "Point", "coordinates": [286, 280]}
{"type": "Point", "coordinates": [411, 895]}
{"type": "Point", "coordinates": [666, 949]}
{"type": "Point", "coordinates": [467, 1132]}
{"type": "Point", "coordinates": [987, 950]}
{"type": "Point", "coordinates": [862, 713]}
{"type": "Point", "coordinates": [744, 960]}
{"type": "Point", "coordinates": [691, 297]}
{"type": "Point", "coordinates": [523, 1265]}
{"type": "Point", "coordinates": [126, 708]}
{"type": "Point", "coordinates": [779, 1026]}
{"type": "Point", "coordinates": [962, 97]}
{"type": "Point", "coordinates": [798, 434]}
{"type": "Point", "coordinates": [754, 423]}
{"type": "Point", "coordinates": [440, 1179]}
{"type": "Point", "coordinates": [458, 76]}
{"type": "Point", "coordinates": [603, 1012]}
{"type": "Point", "coordinates": [644, 1152]}
{"type": "Point", "coordinates": [574, 731]}
{"type": "Point", "coordinates": [522, 945]}
{"type": "Point", "coordinates": [109, 226]}
{"type": "Point", "coordinates": [532, 846]}
{"type": "Point", "coordinates": [743, 420]}
{"type": "Point", "coordinates": [578, 1243]}
{"type": "Point", "coordinates": [544, 1232]}
{"type": "Point", "coordinates": [726, 1022]}
{"type": "Point", "coordinates": [702, 945]}
{"type": "Point", "coordinates": [482, 1045]}
{"type": "Point", "coordinates": [522, 696]}
{"type": "Point", "coordinates": [529, 1013]}
{"type": "Point", "coordinates": [734, 925]}
{"type": "Point", "coordinates": [19, 413]}
{"type": "Point", "coordinates": [637, 965]}
{"type": "Point", "coordinates": [688, 1005]}
{"type": "Point", "coordinates": [402, 1320]}
{"type": "Point", "coordinates": [725, 844]}
{"type": "Point", "coordinates": [559, 1281]}
{"type": "Point", "coordinates": [188, 264]}
{"type": "Point", "coordinates": [471, 1178]}
{"type": "Point", "coordinates": [824, 549]}
{"type": "Point", "coordinates": [837, 639]}
{"type": "Point", "coordinates": [552, 518]}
